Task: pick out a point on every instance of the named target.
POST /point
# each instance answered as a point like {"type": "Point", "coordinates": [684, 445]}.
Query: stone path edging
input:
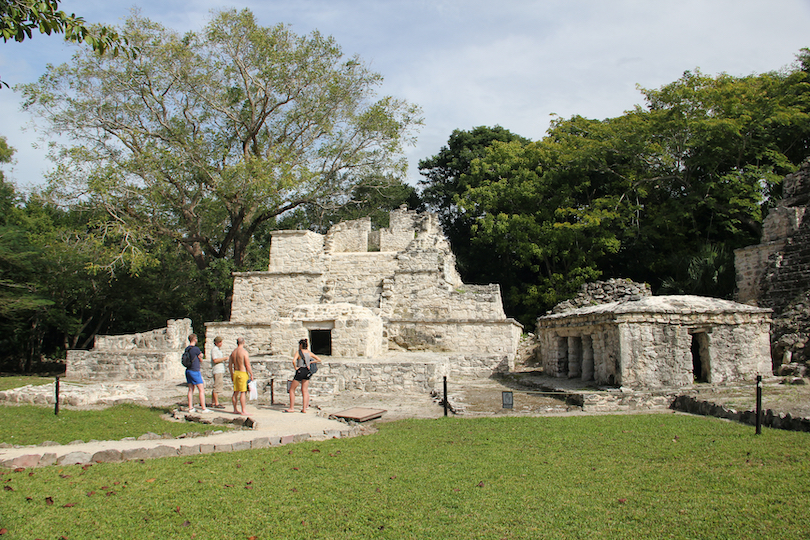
{"type": "Point", "coordinates": [273, 429]}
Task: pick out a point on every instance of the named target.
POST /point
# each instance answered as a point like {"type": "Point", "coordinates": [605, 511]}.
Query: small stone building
{"type": "Point", "coordinates": [645, 342]}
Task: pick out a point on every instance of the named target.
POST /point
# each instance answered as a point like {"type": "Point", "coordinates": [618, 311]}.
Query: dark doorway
{"type": "Point", "coordinates": [321, 342]}
{"type": "Point", "coordinates": [700, 357]}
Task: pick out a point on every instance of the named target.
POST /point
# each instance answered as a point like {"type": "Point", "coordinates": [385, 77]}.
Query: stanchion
{"type": "Point", "coordinates": [56, 400]}
{"type": "Point", "coordinates": [759, 404]}
{"type": "Point", "coordinates": [445, 395]}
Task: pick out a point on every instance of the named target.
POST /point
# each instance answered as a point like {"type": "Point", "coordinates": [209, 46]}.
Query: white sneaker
{"type": "Point", "coordinates": [205, 411]}
{"type": "Point", "coordinates": [192, 410]}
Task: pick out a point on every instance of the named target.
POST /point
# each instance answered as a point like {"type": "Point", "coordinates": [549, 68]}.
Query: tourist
{"type": "Point", "coordinates": [193, 375]}
{"type": "Point", "coordinates": [218, 370]}
{"type": "Point", "coordinates": [301, 363]}
{"type": "Point", "coordinates": [241, 373]}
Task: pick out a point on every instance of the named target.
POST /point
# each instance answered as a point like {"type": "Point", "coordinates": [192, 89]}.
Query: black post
{"type": "Point", "coordinates": [759, 404]}
{"type": "Point", "coordinates": [272, 391]}
{"type": "Point", "coordinates": [56, 401]}
{"type": "Point", "coordinates": [445, 395]}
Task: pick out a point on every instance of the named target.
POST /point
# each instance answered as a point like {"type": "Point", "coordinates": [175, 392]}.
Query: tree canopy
{"type": "Point", "coordinates": [662, 194]}
{"type": "Point", "coordinates": [206, 136]}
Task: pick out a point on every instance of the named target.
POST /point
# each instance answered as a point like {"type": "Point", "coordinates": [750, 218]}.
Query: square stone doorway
{"type": "Point", "coordinates": [320, 342]}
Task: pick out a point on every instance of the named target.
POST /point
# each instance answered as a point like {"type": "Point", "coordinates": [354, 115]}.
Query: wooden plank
{"type": "Point", "coordinates": [360, 414]}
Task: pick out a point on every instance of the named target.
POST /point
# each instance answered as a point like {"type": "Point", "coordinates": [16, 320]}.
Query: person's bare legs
{"type": "Point", "coordinates": [243, 399]}
{"type": "Point", "coordinates": [201, 390]}
{"type": "Point", "coordinates": [233, 400]}
{"type": "Point", "coordinates": [293, 386]}
{"type": "Point", "coordinates": [190, 396]}
{"type": "Point", "coordinates": [304, 395]}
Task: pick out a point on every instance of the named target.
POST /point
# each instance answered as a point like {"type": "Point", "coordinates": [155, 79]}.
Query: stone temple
{"type": "Point", "coordinates": [386, 309]}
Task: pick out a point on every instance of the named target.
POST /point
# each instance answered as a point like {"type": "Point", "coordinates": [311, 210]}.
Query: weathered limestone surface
{"type": "Point", "coordinates": [654, 341]}
{"type": "Point", "coordinates": [151, 355]}
{"type": "Point", "coordinates": [373, 293]}
{"type": "Point", "coordinates": [776, 272]}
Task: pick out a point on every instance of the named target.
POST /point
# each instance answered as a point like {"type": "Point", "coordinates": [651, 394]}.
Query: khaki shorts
{"type": "Point", "coordinates": [218, 385]}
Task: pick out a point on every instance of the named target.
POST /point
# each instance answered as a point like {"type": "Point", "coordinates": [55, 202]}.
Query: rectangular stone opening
{"type": "Point", "coordinates": [700, 357]}
{"type": "Point", "coordinates": [320, 342]}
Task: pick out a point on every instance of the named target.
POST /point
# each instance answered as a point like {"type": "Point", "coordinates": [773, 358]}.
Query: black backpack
{"type": "Point", "coordinates": [186, 358]}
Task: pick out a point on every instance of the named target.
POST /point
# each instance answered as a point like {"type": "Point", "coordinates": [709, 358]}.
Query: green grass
{"type": "Point", "coordinates": [8, 382]}
{"type": "Point", "coordinates": [31, 424]}
{"type": "Point", "coordinates": [637, 476]}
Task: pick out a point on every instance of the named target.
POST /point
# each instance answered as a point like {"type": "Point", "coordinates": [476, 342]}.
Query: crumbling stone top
{"type": "Point", "coordinates": [604, 292]}
{"type": "Point", "coordinates": [674, 304]}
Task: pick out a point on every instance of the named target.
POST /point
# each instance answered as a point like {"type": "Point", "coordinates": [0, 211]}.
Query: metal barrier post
{"type": "Point", "coordinates": [56, 400]}
{"type": "Point", "coordinates": [445, 395]}
{"type": "Point", "coordinates": [759, 404]}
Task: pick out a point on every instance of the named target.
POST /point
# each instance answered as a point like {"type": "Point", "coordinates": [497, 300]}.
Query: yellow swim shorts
{"type": "Point", "coordinates": [240, 380]}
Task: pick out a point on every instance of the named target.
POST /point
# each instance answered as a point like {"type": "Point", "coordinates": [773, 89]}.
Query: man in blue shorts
{"type": "Point", "coordinates": [193, 375]}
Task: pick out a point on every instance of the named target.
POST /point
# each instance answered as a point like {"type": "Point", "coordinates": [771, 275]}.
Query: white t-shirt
{"type": "Point", "coordinates": [217, 353]}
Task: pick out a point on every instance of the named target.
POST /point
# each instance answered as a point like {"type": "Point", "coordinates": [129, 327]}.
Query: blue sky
{"type": "Point", "coordinates": [468, 63]}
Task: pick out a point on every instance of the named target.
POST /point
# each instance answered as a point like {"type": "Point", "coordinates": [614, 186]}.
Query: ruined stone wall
{"type": "Point", "coordinates": [357, 278]}
{"type": "Point", "coordinates": [496, 337]}
{"type": "Point", "coordinates": [557, 344]}
{"type": "Point", "coordinates": [655, 355]}
{"type": "Point", "coordinates": [348, 236]}
{"type": "Point", "coordinates": [266, 296]}
{"type": "Point", "coordinates": [604, 292]}
{"type": "Point", "coordinates": [296, 251]}
{"type": "Point", "coordinates": [776, 273]}
{"type": "Point", "coordinates": [151, 356]}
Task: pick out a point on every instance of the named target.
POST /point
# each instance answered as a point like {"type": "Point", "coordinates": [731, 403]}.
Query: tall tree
{"type": "Point", "coordinates": [446, 178]}
{"type": "Point", "coordinates": [204, 137]}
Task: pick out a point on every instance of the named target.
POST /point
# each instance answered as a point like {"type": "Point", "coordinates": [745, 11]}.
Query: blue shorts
{"type": "Point", "coordinates": [193, 377]}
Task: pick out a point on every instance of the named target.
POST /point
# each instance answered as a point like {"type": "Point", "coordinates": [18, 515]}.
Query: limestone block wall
{"type": "Point", "coordinates": [654, 355]}
{"type": "Point", "coordinates": [295, 251]}
{"type": "Point", "coordinates": [489, 337]}
{"type": "Point", "coordinates": [355, 331]}
{"type": "Point", "coordinates": [357, 278]}
{"type": "Point", "coordinates": [173, 336]}
{"type": "Point", "coordinates": [266, 296]}
{"type": "Point", "coordinates": [348, 236]}
{"type": "Point", "coordinates": [426, 295]}
{"type": "Point", "coordinates": [146, 356]}
{"type": "Point", "coordinates": [750, 264]}
{"type": "Point", "coordinates": [125, 365]}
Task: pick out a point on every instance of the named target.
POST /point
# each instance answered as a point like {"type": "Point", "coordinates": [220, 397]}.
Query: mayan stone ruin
{"type": "Point", "coordinates": [776, 274]}
{"type": "Point", "coordinates": [386, 309]}
{"type": "Point", "coordinates": [617, 334]}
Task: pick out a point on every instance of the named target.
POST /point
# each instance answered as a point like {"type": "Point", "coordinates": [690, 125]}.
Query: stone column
{"type": "Point", "coordinates": [587, 358]}
{"type": "Point", "coordinates": [574, 357]}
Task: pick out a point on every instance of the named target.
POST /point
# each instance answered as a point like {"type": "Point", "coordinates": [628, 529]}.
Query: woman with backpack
{"type": "Point", "coordinates": [303, 365]}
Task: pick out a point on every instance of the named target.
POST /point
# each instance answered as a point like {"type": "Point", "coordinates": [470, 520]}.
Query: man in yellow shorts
{"type": "Point", "coordinates": [241, 373]}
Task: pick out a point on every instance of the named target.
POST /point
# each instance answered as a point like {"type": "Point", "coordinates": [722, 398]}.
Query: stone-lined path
{"type": "Point", "coordinates": [273, 428]}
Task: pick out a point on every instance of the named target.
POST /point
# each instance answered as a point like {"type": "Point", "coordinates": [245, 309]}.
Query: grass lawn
{"type": "Point", "coordinates": [8, 382]}
{"type": "Point", "coordinates": [635, 476]}
{"type": "Point", "coordinates": [32, 424]}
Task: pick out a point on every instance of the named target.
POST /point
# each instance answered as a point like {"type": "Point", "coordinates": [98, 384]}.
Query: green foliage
{"type": "Point", "coordinates": [203, 138]}
{"type": "Point", "coordinates": [662, 194]}
{"type": "Point", "coordinates": [638, 476]}
{"type": "Point", "coordinates": [30, 424]}
{"type": "Point", "coordinates": [19, 19]}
